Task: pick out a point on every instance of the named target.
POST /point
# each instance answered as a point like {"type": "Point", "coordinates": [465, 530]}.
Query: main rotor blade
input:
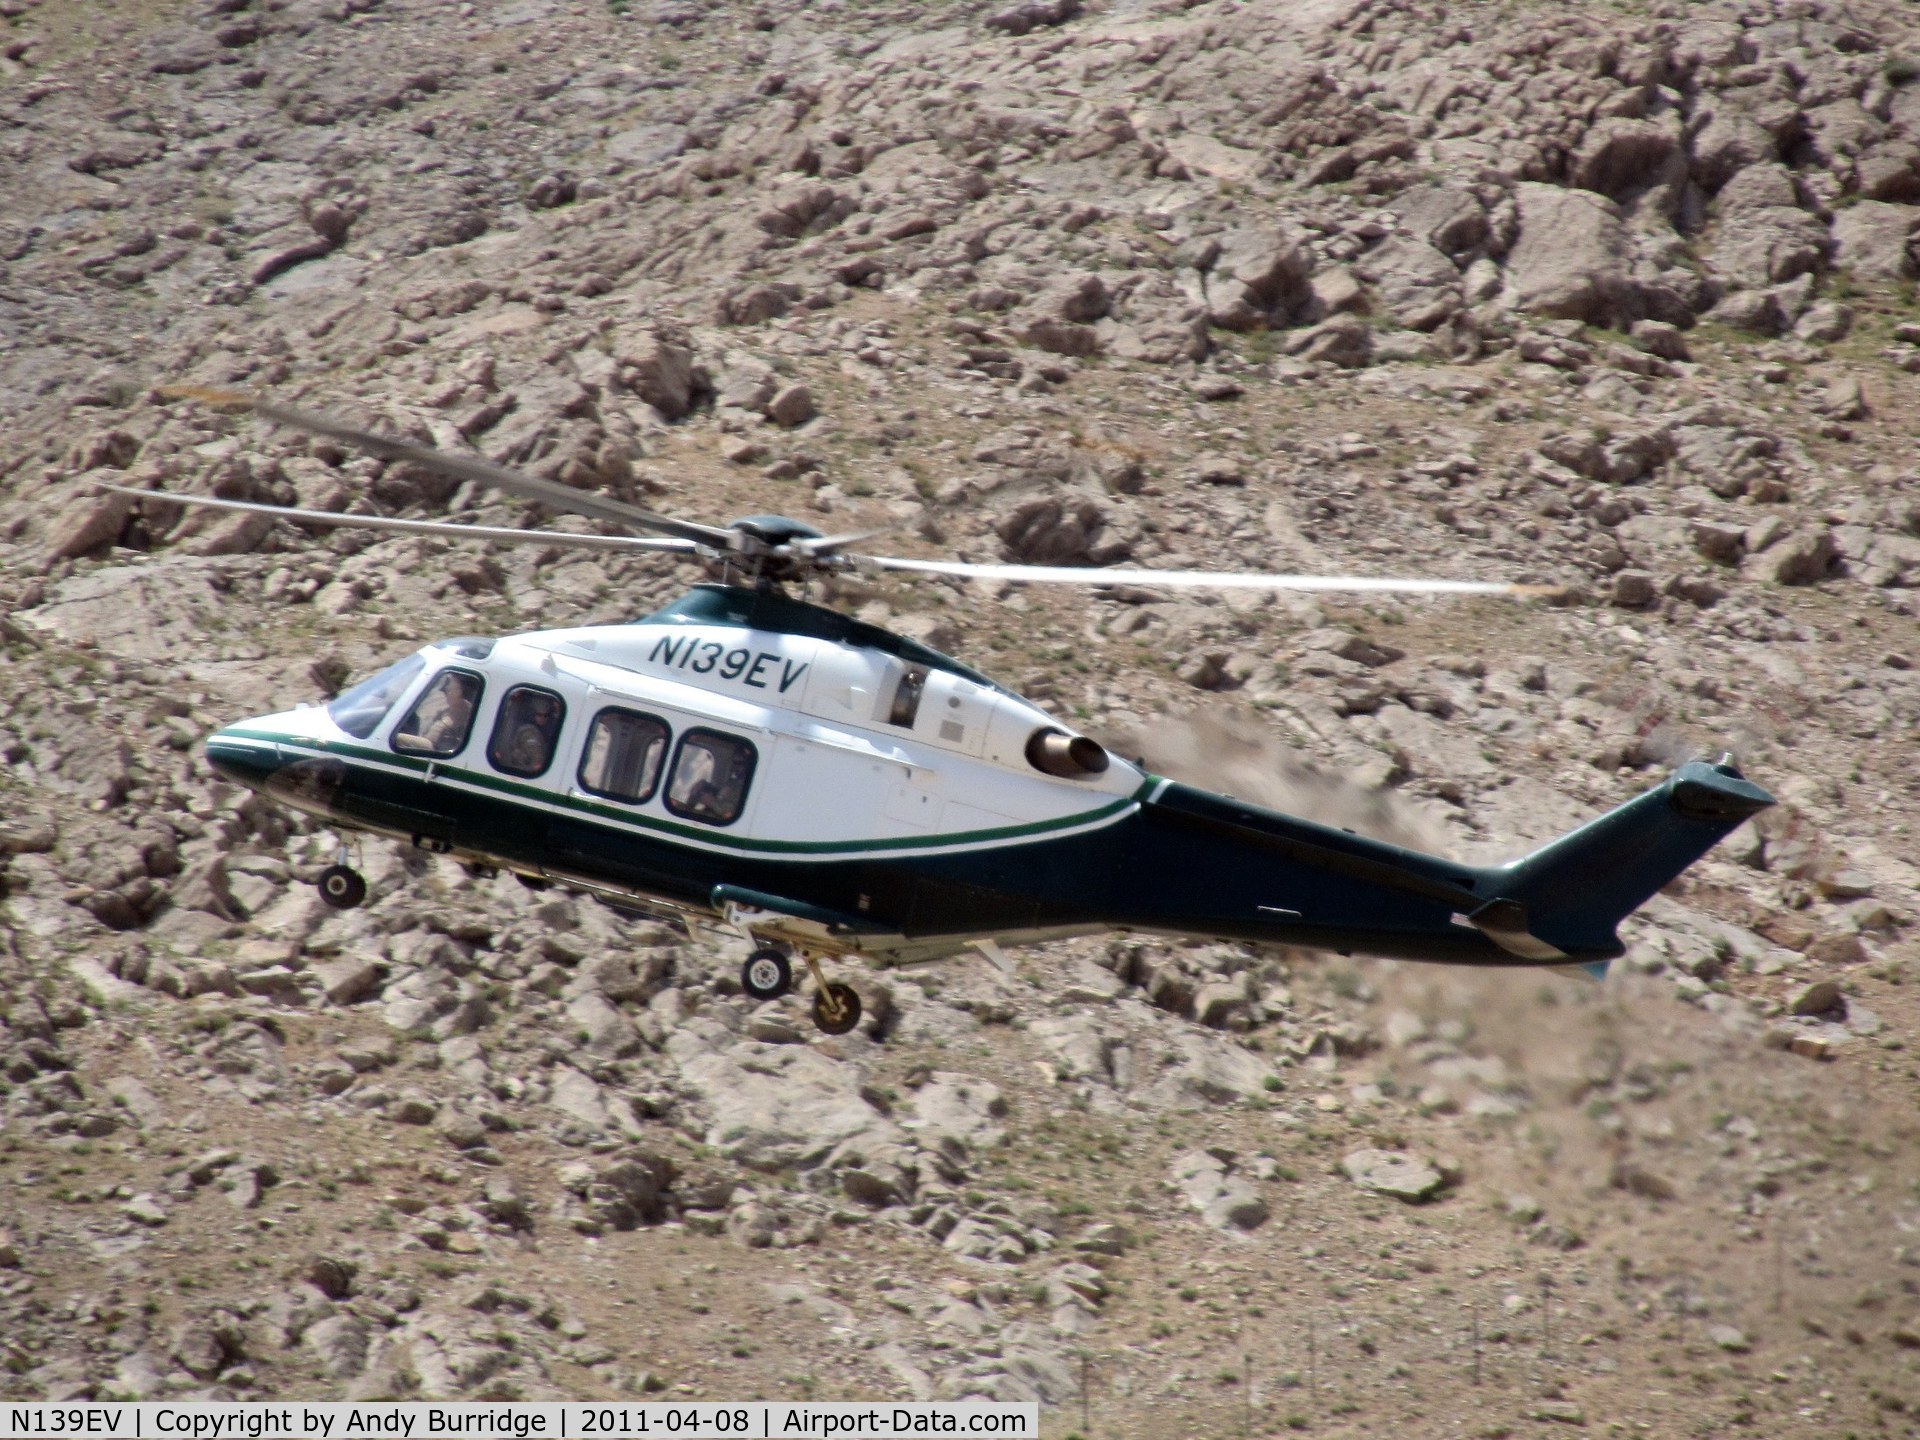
{"type": "Point", "coordinates": [497, 533]}
{"type": "Point", "coordinates": [824, 545]}
{"type": "Point", "coordinates": [1203, 579]}
{"type": "Point", "coordinates": [466, 467]}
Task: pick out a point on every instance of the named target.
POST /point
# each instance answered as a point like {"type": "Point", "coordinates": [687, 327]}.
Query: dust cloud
{"type": "Point", "coordinates": [1231, 752]}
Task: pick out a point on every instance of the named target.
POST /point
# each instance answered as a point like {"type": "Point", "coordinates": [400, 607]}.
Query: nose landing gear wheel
{"type": "Point", "coordinates": [341, 887]}
{"type": "Point", "coordinates": [836, 1008]}
{"type": "Point", "coordinates": [767, 975]}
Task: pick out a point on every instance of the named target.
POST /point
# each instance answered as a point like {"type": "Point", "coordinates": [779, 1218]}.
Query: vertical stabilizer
{"type": "Point", "coordinates": [1569, 895]}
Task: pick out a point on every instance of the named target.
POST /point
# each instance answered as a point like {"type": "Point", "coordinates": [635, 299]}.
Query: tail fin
{"type": "Point", "coordinates": [1566, 898]}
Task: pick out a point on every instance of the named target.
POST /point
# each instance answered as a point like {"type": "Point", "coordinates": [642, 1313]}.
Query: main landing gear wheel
{"type": "Point", "coordinates": [341, 887]}
{"type": "Point", "coordinates": [767, 975]}
{"type": "Point", "coordinates": [836, 1008]}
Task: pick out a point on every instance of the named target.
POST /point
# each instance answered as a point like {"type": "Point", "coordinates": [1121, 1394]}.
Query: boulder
{"type": "Point", "coordinates": [1343, 340]}
{"type": "Point", "coordinates": [1633, 590]}
{"type": "Point", "coordinates": [88, 523]}
{"type": "Point", "coordinates": [628, 1191]}
{"type": "Point", "coordinates": [752, 304]}
{"type": "Point", "coordinates": [1825, 323]}
{"type": "Point", "coordinates": [607, 1031]}
{"type": "Point", "coordinates": [1205, 1066]}
{"type": "Point", "coordinates": [1389, 1172]}
{"type": "Point", "coordinates": [345, 981]}
{"type": "Point", "coordinates": [1077, 299]}
{"type": "Point", "coordinates": [804, 210]}
{"type": "Point", "coordinates": [1728, 143]}
{"type": "Point", "coordinates": [579, 1097]}
{"type": "Point", "coordinates": [961, 1108]}
{"type": "Point", "coordinates": [339, 1343]}
{"type": "Point", "coordinates": [1060, 337]}
{"type": "Point", "coordinates": [1821, 1000]}
{"type": "Point", "coordinates": [1621, 157]}
{"type": "Point", "coordinates": [1803, 558]}
{"type": "Point", "coordinates": [1657, 337]}
{"type": "Point", "coordinates": [1755, 311]}
{"type": "Point", "coordinates": [1572, 258]}
{"type": "Point", "coordinates": [1891, 173]}
{"type": "Point", "coordinates": [791, 405]}
{"type": "Point", "coordinates": [657, 365]}
{"type": "Point", "coordinates": [1031, 15]}
{"type": "Point", "coordinates": [1417, 284]}
{"type": "Point", "coordinates": [1258, 279]}
{"type": "Point", "coordinates": [1048, 530]}
{"type": "Point", "coordinates": [1225, 1199]}
{"type": "Point", "coordinates": [1764, 236]}
{"type": "Point", "coordinates": [1447, 217]}
{"type": "Point", "coordinates": [1336, 291]}
{"type": "Point", "coordinates": [1873, 240]}
{"type": "Point", "coordinates": [775, 1107]}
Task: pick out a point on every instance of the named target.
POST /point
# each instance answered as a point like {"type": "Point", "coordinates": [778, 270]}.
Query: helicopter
{"type": "Point", "coordinates": [749, 762]}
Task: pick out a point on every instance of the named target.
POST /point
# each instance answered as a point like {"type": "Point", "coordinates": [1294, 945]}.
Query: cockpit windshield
{"type": "Point", "coordinates": [360, 710]}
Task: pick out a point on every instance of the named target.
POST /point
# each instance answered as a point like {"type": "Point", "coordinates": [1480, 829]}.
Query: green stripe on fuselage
{"type": "Point", "coordinates": [710, 836]}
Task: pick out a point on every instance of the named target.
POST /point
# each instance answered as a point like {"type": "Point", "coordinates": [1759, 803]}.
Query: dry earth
{"type": "Point", "coordinates": [1616, 296]}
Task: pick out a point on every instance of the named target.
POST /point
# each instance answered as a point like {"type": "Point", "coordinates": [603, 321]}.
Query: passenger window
{"type": "Point", "coordinates": [623, 755]}
{"type": "Point", "coordinates": [442, 718]}
{"type": "Point", "coordinates": [906, 697]}
{"type": "Point", "coordinates": [710, 777]}
{"type": "Point", "coordinates": [526, 731]}
{"type": "Point", "coordinates": [360, 710]}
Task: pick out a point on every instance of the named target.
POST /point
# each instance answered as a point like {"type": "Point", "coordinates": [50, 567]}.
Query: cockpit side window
{"type": "Point", "coordinates": [526, 732]}
{"type": "Point", "coordinates": [905, 708]}
{"type": "Point", "coordinates": [442, 718]}
{"type": "Point", "coordinates": [711, 772]}
{"type": "Point", "coordinates": [359, 710]}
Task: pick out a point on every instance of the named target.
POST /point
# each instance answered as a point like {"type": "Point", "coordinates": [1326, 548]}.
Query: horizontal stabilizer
{"type": "Point", "coordinates": [1505, 923]}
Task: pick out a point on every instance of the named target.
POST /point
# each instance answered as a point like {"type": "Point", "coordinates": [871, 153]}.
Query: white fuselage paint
{"type": "Point", "coordinates": [833, 774]}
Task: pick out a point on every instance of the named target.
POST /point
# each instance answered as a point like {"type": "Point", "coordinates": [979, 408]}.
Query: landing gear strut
{"type": "Point", "coordinates": [836, 1006]}
{"type": "Point", "coordinates": [767, 975]}
{"type": "Point", "coordinates": [342, 887]}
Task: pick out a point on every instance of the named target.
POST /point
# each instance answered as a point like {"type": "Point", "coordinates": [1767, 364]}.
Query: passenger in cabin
{"type": "Point", "coordinates": [710, 778]}
{"type": "Point", "coordinates": [536, 725]}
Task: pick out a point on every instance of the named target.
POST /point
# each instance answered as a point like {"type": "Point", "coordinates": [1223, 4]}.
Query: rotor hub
{"type": "Point", "coordinates": [773, 550]}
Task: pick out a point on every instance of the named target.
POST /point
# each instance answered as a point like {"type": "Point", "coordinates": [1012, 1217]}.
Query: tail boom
{"type": "Point", "coordinates": [1205, 864]}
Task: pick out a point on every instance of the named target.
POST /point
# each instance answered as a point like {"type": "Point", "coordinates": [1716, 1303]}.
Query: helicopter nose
{"type": "Point", "coordinates": [234, 755]}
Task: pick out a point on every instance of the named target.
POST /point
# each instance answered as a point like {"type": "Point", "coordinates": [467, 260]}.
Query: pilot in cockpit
{"type": "Point", "coordinates": [438, 724]}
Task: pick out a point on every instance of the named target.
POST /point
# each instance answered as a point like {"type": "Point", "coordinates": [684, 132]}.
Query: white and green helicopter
{"type": "Point", "coordinates": [747, 761]}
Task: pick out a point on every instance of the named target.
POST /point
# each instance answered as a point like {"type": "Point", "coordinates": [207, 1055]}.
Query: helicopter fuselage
{"type": "Point", "coordinates": [746, 760]}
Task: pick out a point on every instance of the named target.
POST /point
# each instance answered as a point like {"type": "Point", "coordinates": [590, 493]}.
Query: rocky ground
{"type": "Point", "coordinates": [1618, 297]}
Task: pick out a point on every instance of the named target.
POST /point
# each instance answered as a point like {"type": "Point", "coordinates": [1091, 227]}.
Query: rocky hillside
{"type": "Point", "coordinates": [1612, 296]}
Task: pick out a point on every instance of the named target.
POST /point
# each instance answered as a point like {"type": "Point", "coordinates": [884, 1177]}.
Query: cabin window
{"type": "Point", "coordinates": [711, 772]}
{"type": "Point", "coordinates": [526, 731]}
{"type": "Point", "coordinates": [906, 697]}
{"type": "Point", "coordinates": [624, 753]}
{"type": "Point", "coordinates": [441, 719]}
{"type": "Point", "coordinates": [360, 710]}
